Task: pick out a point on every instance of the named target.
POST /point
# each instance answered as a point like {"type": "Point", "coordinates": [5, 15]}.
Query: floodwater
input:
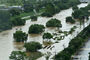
{"type": "Point", "coordinates": [83, 54]}
{"type": "Point", "coordinates": [6, 37]}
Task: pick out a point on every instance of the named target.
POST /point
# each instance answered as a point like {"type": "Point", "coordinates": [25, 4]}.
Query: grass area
{"type": "Point", "coordinates": [26, 14]}
{"type": "Point", "coordinates": [34, 55]}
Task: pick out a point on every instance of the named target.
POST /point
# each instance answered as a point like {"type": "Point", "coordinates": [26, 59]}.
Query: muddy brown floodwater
{"type": "Point", "coordinates": [6, 37]}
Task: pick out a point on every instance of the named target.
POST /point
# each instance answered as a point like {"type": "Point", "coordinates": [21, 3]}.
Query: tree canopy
{"type": "Point", "coordinates": [36, 29]}
{"type": "Point", "coordinates": [17, 55]}
{"type": "Point", "coordinates": [20, 36]}
{"type": "Point", "coordinates": [49, 10]}
{"type": "Point", "coordinates": [70, 20]}
{"type": "Point", "coordinates": [15, 11]}
{"type": "Point", "coordinates": [32, 46]}
{"type": "Point", "coordinates": [33, 18]}
{"type": "Point", "coordinates": [74, 45]}
{"type": "Point", "coordinates": [47, 36]}
{"type": "Point", "coordinates": [54, 23]}
{"type": "Point", "coordinates": [17, 21]}
{"type": "Point", "coordinates": [75, 7]}
{"type": "Point", "coordinates": [76, 14]}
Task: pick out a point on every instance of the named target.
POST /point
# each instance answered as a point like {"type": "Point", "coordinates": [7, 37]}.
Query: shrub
{"type": "Point", "coordinates": [47, 36]}
{"type": "Point", "coordinates": [70, 20]}
{"type": "Point", "coordinates": [72, 29]}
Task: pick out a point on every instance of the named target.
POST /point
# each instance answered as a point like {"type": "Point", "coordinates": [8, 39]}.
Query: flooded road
{"type": "Point", "coordinates": [6, 37]}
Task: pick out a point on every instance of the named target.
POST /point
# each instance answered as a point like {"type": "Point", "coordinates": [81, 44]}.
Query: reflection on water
{"type": "Point", "coordinates": [6, 37]}
{"type": "Point", "coordinates": [18, 45]}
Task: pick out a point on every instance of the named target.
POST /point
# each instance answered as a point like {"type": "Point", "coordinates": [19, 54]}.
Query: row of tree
{"type": "Point", "coordinates": [80, 39]}
{"type": "Point", "coordinates": [57, 6]}
{"type": "Point", "coordinates": [81, 14]}
{"type": "Point", "coordinates": [20, 36]}
{"type": "Point", "coordinates": [74, 45]}
{"type": "Point", "coordinates": [50, 7]}
{"type": "Point", "coordinates": [30, 47]}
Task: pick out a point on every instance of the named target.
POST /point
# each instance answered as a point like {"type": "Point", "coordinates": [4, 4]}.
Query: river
{"type": "Point", "coordinates": [6, 37]}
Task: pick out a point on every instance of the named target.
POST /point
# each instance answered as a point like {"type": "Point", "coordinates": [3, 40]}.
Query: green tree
{"type": "Point", "coordinates": [47, 36]}
{"type": "Point", "coordinates": [20, 36]}
{"type": "Point", "coordinates": [49, 10]}
{"type": "Point", "coordinates": [70, 20]}
{"type": "Point", "coordinates": [33, 18]}
{"type": "Point", "coordinates": [17, 21]}
{"type": "Point", "coordinates": [54, 23]}
{"type": "Point", "coordinates": [17, 55]}
{"type": "Point", "coordinates": [15, 11]}
{"type": "Point", "coordinates": [28, 7]}
{"type": "Point", "coordinates": [75, 8]}
{"type": "Point", "coordinates": [32, 46]}
{"type": "Point", "coordinates": [76, 14]}
{"type": "Point", "coordinates": [36, 29]}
